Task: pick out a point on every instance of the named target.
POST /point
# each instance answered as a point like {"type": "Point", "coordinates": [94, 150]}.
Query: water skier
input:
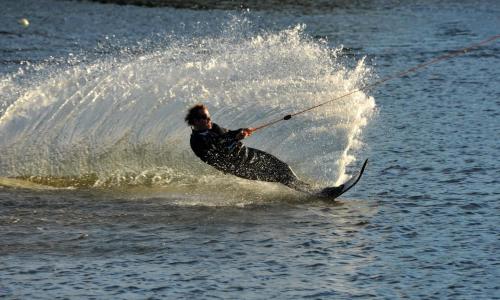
{"type": "Point", "coordinates": [222, 149]}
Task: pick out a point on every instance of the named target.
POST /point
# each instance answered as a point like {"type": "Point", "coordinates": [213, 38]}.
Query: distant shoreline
{"type": "Point", "coordinates": [305, 6]}
{"type": "Point", "coordinates": [189, 4]}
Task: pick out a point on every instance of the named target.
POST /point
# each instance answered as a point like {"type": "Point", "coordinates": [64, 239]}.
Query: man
{"type": "Point", "coordinates": [223, 149]}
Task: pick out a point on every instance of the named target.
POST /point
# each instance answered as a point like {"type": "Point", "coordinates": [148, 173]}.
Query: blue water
{"type": "Point", "coordinates": [93, 99]}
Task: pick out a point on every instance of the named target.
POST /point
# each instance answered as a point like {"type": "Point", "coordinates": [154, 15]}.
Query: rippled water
{"type": "Point", "coordinates": [422, 223]}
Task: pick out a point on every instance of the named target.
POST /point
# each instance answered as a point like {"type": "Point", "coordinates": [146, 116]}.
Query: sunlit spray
{"type": "Point", "coordinates": [121, 117]}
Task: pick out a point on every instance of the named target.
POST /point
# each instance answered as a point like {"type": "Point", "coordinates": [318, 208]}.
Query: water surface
{"type": "Point", "coordinates": [93, 100]}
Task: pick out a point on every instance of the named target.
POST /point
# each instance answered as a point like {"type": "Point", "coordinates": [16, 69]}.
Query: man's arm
{"type": "Point", "coordinates": [219, 130]}
{"type": "Point", "coordinates": [237, 134]}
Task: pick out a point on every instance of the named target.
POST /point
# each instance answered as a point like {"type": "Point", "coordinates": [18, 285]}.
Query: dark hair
{"type": "Point", "coordinates": [193, 113]}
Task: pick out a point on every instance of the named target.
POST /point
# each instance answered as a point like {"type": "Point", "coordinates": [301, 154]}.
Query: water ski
{"type": "Point", "coordinates": [335, 191]}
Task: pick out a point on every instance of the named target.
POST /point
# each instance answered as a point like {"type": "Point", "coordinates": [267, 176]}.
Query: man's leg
{"type": "Point", "coordinates": [270, 168]}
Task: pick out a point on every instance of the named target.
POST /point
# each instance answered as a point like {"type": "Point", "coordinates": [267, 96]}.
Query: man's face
{"type": "Point", "coordinates": [202, 120]}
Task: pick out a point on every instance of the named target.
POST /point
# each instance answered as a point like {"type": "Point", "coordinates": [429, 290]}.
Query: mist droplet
{"type": "Point", "coordinates": [24, 22]}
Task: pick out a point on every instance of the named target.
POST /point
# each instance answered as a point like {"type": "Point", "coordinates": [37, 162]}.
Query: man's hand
{"type": "Point", "coordinates": [245, 132]}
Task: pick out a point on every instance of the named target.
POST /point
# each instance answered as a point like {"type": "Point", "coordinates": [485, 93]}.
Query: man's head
{"type": "Point", "coordinates": [199, 117]}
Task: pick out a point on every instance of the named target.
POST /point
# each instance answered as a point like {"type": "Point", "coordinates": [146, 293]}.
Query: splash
{"type": "Point", "coordinates": [119, 119]}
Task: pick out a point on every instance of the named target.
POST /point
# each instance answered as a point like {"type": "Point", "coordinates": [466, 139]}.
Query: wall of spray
{"type": "Point", "coordinates": [120, 117]}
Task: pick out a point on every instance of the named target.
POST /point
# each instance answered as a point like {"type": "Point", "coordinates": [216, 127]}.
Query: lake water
{"type": "Point", "coordinates": [92, 107]}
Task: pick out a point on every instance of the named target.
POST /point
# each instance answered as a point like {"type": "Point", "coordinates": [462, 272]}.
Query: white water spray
{"type": "Point", "coordinates": [121, 118]}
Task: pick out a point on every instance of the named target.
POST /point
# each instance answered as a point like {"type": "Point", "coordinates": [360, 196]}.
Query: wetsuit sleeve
{"type": "Point", "coordinates": [225, 133]}
{"type": "Point", "coordinates": [219, 130]}
{"type": "Point", "coordinates": [226, 140]}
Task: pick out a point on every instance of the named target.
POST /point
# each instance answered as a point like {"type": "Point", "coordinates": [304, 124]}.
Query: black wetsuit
{"type": "Point", "coordinates": [221, 149]}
